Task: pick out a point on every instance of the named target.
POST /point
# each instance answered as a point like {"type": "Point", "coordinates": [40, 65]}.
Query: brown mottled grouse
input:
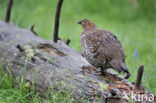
{"type": "Point", "coordinates": [102, 49]}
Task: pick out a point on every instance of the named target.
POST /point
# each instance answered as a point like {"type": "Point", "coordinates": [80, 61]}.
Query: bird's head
{"type": "Point", "coordinates": [87, 24]}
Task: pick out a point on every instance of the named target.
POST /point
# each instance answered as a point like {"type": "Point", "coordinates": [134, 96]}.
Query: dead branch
{"type": "Point", "coordinates": [57, 17]}
{"type": "Point", "coordinates": [139, 76]}
{"type": "Point", "coordinates": [8, 12]}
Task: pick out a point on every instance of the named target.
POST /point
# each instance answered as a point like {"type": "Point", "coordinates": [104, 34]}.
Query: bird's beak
{"type": "Point", "coordinates": [79, 22]}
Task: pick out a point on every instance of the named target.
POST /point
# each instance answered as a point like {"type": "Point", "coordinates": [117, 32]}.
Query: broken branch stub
{"type": "Point", "coordinates": [139, 76]}
{"type": "Point", "coordinates": [32, 30]}
{"type": "Point", "coordinates": [67, 41]}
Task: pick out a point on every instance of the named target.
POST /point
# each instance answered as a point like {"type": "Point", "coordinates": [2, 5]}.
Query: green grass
{"type": "Point", "coordinates": [15, 90]}
{"type": "Point", "coordinates": [134, 26]}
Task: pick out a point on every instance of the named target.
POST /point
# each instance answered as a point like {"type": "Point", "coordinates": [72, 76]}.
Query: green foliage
{"type": "Point", "coordinates": [13, 90]}
{"type": "Point", "coordinates": [16, 90]}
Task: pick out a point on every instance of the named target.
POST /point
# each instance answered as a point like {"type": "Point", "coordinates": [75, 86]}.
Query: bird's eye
{"type": "Point", "coordinates": [84, 22]}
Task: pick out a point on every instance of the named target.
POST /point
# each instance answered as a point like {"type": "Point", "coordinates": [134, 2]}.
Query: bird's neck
{"type": "Point", "coordinates": [90, 29]}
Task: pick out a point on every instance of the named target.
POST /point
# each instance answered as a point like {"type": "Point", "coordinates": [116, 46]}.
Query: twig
{"type": "Point", "coordinates": [139, 76]}
{"type": "Point", "coordinates": [21, 49]}
{"type": "Point", "coordinates": [8, 12]}
{"type": "Point", "coordinates": [67, 41]}
{"type": "Point", "coordinates": [57, 17]}
{"type": "Point", "coordinates": [59, 38]}
{"type": "Point", "coordinates": [32, 30]}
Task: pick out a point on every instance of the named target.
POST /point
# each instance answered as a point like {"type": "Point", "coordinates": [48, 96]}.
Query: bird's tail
{"type": "Point", "coordinates": [123, 66]}
{"type": "Point", "coordinates": [116, 65]}
{"type": "Point", "coordinates": [120, 68]}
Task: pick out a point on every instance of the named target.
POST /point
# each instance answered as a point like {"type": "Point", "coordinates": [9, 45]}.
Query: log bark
{"type": "Point", "coordinates": [59, 67]}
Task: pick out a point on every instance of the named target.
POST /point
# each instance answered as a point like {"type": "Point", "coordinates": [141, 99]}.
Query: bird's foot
{"type": "Point", "coordinates": [103, 72]}
{"type": "Point", "coordinates": [97, 71]}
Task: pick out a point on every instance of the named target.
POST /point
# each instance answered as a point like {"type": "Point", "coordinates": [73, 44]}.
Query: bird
{"type": "Point", "coordinates": [102, 49]}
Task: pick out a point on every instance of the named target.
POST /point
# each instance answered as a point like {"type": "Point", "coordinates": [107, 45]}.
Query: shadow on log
{"type": "Point", "coordinates": [56, 65]}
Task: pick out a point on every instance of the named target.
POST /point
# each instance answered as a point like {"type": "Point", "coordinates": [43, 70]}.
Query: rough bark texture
{"type": "Point", "coordinates": [56, 65]}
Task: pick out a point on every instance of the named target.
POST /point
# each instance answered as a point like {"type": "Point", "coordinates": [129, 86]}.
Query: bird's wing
{"type": "Point", "coordinates": [113, 50]}
{"type": "Point", "coordinates": [111, 46]}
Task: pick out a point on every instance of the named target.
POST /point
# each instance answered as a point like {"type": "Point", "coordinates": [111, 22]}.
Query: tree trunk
{"type": "Point", "coordinates": [56, 65]}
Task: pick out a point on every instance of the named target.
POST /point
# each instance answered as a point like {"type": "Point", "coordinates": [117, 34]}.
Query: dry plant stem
{"type": "Point", "coordinates": [57, 17]}
{"type": "Point", "coordinates": [8, 12]}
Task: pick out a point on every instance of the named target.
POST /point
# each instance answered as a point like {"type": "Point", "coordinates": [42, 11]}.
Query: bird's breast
{"type": "Point", "coordinates": [88, 53]}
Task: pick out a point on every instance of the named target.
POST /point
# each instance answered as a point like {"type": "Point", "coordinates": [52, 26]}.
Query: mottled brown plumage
{"type": "Point", "coordinates": [102, 49]}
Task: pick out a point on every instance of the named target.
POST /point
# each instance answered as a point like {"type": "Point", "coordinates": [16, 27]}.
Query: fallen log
{"type": "Point", "coordinates": [57, 66]}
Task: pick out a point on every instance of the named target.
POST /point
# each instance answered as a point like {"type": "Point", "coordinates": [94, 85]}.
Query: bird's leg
{"type": "Point", "coordinates": [103, 72]}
